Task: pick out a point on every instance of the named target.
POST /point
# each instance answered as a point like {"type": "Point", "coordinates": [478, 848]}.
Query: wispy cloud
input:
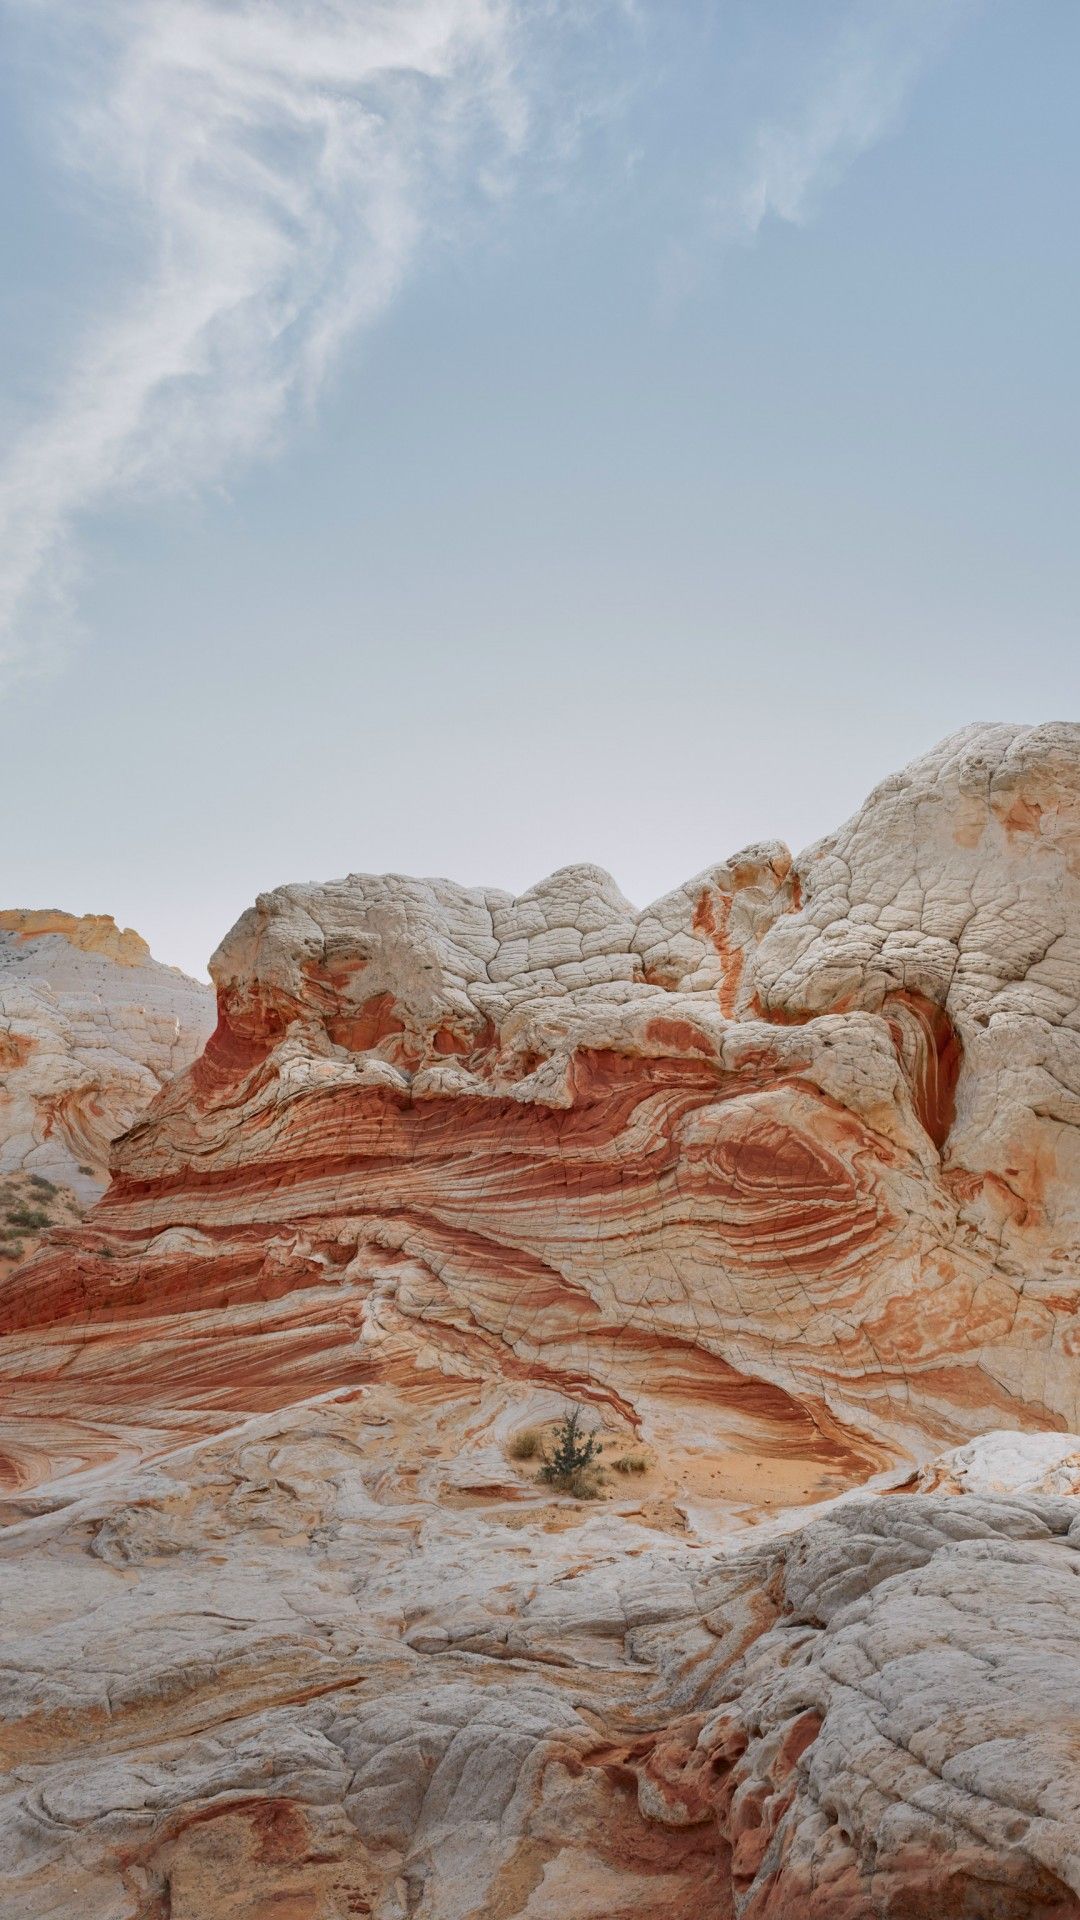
{"type": "Point", "coordinates": [847, 85]}
{"type": "Point", "coordinates": [284, 157]}
{"type": "Point", "coordinates": [282, 161]}
{"type": "Point", "coordinates": [855, 88]}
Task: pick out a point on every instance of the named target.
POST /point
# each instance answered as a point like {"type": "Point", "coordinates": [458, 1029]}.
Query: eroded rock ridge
{"type": "Point", "coordinates": [779, 1180]}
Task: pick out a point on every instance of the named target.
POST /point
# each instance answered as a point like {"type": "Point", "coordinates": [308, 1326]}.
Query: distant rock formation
{"type": "Point", "coordinates": [779, 1181]}
{"type": "Point", "coordinates": [91, 1026]}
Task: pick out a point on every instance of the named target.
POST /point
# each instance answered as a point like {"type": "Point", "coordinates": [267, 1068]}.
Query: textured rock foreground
{"type": "Point", "coordinates": [265, 1678]}
{"type": "Point", "coordinates": [780, 1179]}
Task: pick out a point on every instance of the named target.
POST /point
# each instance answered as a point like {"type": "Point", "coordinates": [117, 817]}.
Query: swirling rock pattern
{"type": "Point", "coordinates": [780, 1179]}
{"type": "Point", "coordinates": [792, 1153]}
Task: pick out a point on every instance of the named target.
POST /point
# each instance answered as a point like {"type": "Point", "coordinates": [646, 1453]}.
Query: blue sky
{"type": "Point", "coordinates": [464, 436]}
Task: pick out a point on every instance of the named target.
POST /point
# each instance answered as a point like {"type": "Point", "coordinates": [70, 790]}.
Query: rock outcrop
{"type": "Point", "coordinates": [269, 1676]}
{"type": "Point", "coordinates": [1006, 1463]}
{"type": "Point", "coordinates": [91, 1027]}
{"type": "Point", "coordinates": [779, 1179]}
{"type": "Point", "coordinates": [788, 1161]}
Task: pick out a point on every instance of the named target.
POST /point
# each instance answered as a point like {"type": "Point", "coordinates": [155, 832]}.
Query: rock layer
{"type": "Point", "coordinates": [789, 1157]}
{"type": "Point", "coordinates": [779, 1179]}
{"type": "Point", "coordinates": [91, 1027]}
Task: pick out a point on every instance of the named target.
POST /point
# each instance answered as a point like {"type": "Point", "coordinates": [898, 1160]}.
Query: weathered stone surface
{"type": "Point", "coordinates": [904, 1741]}
{"type": "Point", "coordinates": [267, 1675]}
{"type": "Point", "coordinates": [91, 1026]}
{"type": "Point", "coordinates": [1006, 1463]}
{"type": "Point", "coordinates": [789, 1161]}
{"type": "Point", "coordinates": [778, 1178]}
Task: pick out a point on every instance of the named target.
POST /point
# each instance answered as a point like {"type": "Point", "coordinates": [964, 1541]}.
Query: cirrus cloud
{"type": "Point", "coordinates": [277, 165]}
{"type": "Point", "coordinates": [284, 158]}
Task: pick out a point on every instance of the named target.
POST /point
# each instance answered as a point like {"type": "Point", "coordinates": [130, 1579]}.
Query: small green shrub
{"type": "Point", "coordinates": [631, 1463]}
{"type": "Point", "coordinates": [29, 1217]}
{"type": "Point", "coordinates": [571, 1467]}
{"type": "Point", "coordinates": [526, 1445]}
{"type": "Point", "coordinates": [41, 1185]}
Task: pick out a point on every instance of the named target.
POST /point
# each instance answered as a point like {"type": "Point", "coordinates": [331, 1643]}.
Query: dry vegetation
{"type": "Point", "coordinates": [571, 1457]}
{"type": "Point", "coordinates": [29, 1206]}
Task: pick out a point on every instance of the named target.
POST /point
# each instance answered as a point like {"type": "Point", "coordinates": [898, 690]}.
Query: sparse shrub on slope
{"type": "Point", "coordinates": [571, 1466]}
{"type": "Point", "coordinates": [33, 1218]}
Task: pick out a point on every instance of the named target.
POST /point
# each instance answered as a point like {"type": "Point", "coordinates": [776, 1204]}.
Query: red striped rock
{"type": "Point", "coordinates": [779, 1179]}
{"type": "Point", "coordinates": [790, 1157]}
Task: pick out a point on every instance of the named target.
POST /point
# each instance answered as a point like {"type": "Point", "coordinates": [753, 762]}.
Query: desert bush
{"type": "Point", "coordinates": [526, 1445]}
{"type": "Point", "coordinates": [571, 1466]}
{"type": "Point", "coordinates": [29, 1217]}
{"type": "Point", "coordinates": [631, 1463]}
{"type": "Point", "coordinates": [41, 1185]}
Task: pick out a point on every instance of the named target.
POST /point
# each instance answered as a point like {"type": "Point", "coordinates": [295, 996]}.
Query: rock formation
{"type": "Point", "coordinates": [272, 1675]}
{"type": "Point", "coordinates": [1006, 1463]}
{"type": "Point", "coordinates": [91, 1026]}
{"type": "Point", "coordinates": [780, 1180]}
{"type": "Point", "coordinates": [796, 1145]}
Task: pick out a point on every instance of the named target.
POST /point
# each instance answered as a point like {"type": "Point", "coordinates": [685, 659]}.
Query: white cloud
{"type": "Point", "coordinates": [854, 92]}
{"type": "Point", "coordinates": [285, 158]}
{"type": "Point", "coordinates": [847, 85]}
{"type": "Point", "coordinates": [282, 161]}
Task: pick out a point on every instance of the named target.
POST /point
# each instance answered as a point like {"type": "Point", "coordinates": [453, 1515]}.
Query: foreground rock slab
{"type": "Point", "coordinates": [779, 1181]}
{"type": "Point", "coordinates": [260, 1679]}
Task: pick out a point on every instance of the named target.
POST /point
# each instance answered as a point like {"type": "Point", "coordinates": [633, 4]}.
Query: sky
{"type": "Point", "coordinates": [467, 436]}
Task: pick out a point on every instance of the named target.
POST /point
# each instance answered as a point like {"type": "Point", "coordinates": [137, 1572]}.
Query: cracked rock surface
{"type": "Point", "coordinates": [260, 1677]}
{"type": "Point", "coordinates": [796, 1145]}
{"type": "Point", "coordinates": [779, 1180]}
{"type": "Point", "coordinates": [91, 1027]}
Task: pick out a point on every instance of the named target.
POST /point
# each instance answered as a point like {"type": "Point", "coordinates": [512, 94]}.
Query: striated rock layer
{"type": "Point", "coordinates": [779, 1179]}
{"type": "Point", "coordinates": [91, 1027]}
{"type": "Point", "coordinates": [789, 1159]}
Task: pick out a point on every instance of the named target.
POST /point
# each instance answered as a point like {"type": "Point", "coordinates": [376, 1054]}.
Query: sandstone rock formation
{"type": "Point", "coordinates": [267, 1676]}
{"type": "Point", "coordinates": [789, 1160]}
{"type": "Point", "coordinates": [91, 1026]}
{"type": "Point", "coordinates": [1006, 1463]}
{"type": "Point", "coordinates": [780, 1180]}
